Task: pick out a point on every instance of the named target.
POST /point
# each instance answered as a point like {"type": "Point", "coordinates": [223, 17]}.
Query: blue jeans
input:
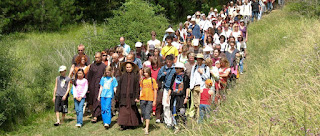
{"type": "Point", "coordinates": [204, 111]}
{"type": "Point", "coordinates": [254, 15]}
{"type": "Point", "coordinates": [270, 6]}
{"type": "Point", "coordinates": [106, 110]}
{"type": "Point", "coordinates": [241, 65]}
{"type": "Point", "coordinates": [79, 109]}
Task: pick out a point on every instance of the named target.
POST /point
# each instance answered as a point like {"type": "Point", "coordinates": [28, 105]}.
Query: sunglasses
{"type": "Point", "coordinates": [118, 52]}
{"type": "Point", "coordinates": [104, 55]}
{"type": "Point", "coordinates": [80, 50]}
{"type": "Point", "coordinates": [177, 68]}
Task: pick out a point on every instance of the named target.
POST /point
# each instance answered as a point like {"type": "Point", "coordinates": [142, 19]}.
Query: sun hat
{"type": "Point", "coordinates": [170, 30]}
{"type": "Point", "coordinates": [207, 48]}
{"type": "Point", "coordinates": [193, 20]}
{"type": "Point", "coordinates": [203, 14]}
{"type": "Point", "coordinates": [62, 68]}
{"type": "Point", "coordinates": [199, 56]}
{"type": "Point", "coordinates": [215, 10]}
{"type": "Point", "coordinates": [123, 67]}
{"type": "Point", "coordinates": [179, 65]}
{"type": "Point", "coordinates": [209, 82]}
{"type": "Point", "coordinates": [195, 42]}
{"type": "Point", "coordinates": [188, 16]}
{"type": "Point", "coordinates": [198, 13]}
{"type": "Point", "coordinates": [217, 62]}
{"type": "Point", "coordinates": [138, 44]}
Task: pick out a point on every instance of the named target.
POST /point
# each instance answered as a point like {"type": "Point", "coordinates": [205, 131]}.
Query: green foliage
{"type": "Point", "coordinates": [134, 20]}
{"type": "Point", "coordinates": [179, 9]}
{"type": "Point", "coordinates": [29, 15]}
{"type": "Point", "coordinates": [309, 8]}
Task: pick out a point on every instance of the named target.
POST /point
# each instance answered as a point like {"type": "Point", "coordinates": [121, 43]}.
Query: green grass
{"type": "Point", "coordinates": [277, 95]}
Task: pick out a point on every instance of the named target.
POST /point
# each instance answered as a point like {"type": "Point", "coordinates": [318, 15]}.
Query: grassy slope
{"type": "Point", "coordinates": [277, 95]}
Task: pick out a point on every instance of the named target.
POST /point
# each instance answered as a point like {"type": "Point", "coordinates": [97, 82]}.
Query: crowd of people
{"type": "Point", "coordinates": [179, 78]}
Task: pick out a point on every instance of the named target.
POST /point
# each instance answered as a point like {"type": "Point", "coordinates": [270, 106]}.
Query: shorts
{"type": "Point", "coordinates": [60, 105]}
{"type": "Point", "coordinates": [146, 108]}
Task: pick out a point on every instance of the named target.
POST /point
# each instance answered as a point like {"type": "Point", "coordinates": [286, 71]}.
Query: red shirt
{"type": "Point", "coordinates": [205, 97]}
{"type": "Point", "coordinates": [154, 73]}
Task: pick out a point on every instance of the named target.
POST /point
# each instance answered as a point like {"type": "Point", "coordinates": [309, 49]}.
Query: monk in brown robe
{"type": "Point", "coordinates": [94, 75]}
{"type": "Point", "coordinates": [127, 96]}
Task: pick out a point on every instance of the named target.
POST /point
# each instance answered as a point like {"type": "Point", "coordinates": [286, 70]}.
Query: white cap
{"type": "Point", "coordinates": [170, 30]}
{"type": "Point", "coordinates": [62, 68]}
{"type": "Point", "coordinates": [203, 14]}
{"type": "Point", "coordinates": [207, 48]}
{"type": "Point", "coordinates": [179, 65]}
{"type": "Point", "coordinates": [215, 10]}
{"type": "Point", "coordinates": [138, 44]}
{"type": "Point", "coordinates": [188, 16]}
{"type": "Point", "coordinates": [192, 19]}
{"type": "Point", "coordinates": [195, 42]}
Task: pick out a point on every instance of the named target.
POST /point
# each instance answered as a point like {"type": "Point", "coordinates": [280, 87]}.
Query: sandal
{"type": "Point", "coordinates": [56, 124]}
{"type": "Point", "coordinates": [94, 120]}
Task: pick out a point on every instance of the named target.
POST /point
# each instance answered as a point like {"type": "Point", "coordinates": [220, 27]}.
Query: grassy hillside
{"type": "Point", "coordinates": [278, 94]}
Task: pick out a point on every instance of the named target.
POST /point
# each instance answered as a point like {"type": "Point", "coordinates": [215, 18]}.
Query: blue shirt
{"type": "Point", "coordinates": [166, 78]}
{"type": "Point", "coordinates": [126, 48]}
{"type": "Point", "coordinates": [196, 31]}
{"type": "Point", "coordinates": [108, 84]}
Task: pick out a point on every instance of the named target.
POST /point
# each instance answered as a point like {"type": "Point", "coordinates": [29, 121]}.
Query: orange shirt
{"type": "Point", "coordinates": [147, 93]}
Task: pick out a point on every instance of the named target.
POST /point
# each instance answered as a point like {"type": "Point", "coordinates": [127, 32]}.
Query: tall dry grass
{"type": "Point", "coordinates": [278, 95]}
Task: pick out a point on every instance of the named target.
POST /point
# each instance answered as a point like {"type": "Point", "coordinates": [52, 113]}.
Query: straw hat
{"type": "Point", "coordinates": [179, 65]}
{"type": "Point", "coordinates": [199, 56]}
{"type": "Point", "coordinates": [123, 67]}
{"type": "Point", "coordinates": [198, 13]}
{"type": "Point", "coordinates": [193, 20]}
{"type": "Point", "coordinates": [170, 30]}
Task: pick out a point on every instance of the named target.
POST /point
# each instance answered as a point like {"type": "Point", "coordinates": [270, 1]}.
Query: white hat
{"type": "Point", "coordinates": [179, 65]}
{"type": "Point", "coordinates": [203, 14]}
{"type": "Point", "coordinates": [138, 44]}
{"type": "Point", "coordinates": [217, 62]}
{"type": "Point", "coordinates": [192, 19]}
{"type": "Point", "coordinates": [195, 42]}
{"type": "Point", "coordinates": [215, 10]}
{"type": "Point", "coordinates": [198, 13]}
{"type": "Point", "coordinates": [231, 2]}
{"type": "Point", "coordinates": [207, 48]}
{"type": "Point", "coordinates": [62, 68]}
{"type": "Point", "coordinates": [188, 16]}
{"type": "Point", "coordinates": [170, 30]}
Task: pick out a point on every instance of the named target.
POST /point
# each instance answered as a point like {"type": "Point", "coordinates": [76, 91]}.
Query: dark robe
{"type": "Point", "coordinates": [127, 91]}
{"type": "Point", "coordinates": [94, 75]}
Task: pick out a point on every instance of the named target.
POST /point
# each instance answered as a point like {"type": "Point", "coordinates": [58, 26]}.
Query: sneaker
{"type": "Point", "coordinates": [241, 73]}
{"type": "Point", "coordinates": [78, 125]}
{"type": "Point", "coordinates": [158, 121]}
{"type": "Point", "coordinates": [106, 125]}
{"type": "Point", "coordinates": [56, 124]}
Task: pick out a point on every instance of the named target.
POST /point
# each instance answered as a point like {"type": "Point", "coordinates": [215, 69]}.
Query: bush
{"type": "Point", "coordinates": [134, 20]}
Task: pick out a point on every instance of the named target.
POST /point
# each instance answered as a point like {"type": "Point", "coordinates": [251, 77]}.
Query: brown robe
{"type": "Point", "coordinates": [127, 91]}
{"type": "Point", "coordinates": [94, 76]}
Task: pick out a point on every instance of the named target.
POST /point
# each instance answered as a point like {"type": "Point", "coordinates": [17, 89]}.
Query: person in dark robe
{"type": "Point", "coordinates": [94, 75]}
{"type": "Point", "coordinates": [127, 96]}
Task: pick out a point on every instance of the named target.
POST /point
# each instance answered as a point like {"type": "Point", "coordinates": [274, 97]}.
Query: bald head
{"type": "Point", "coordinates": [115, 57]}
{"type": "Point", "coordinates": [122, 40]}
{"type": "Point", "coordinates": [98, 57]}
{"type": "Point", "coordinates": [130, 58]}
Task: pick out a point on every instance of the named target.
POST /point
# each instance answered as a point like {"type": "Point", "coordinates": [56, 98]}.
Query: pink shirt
{"type": "Point", "coordinates": [81, 89]}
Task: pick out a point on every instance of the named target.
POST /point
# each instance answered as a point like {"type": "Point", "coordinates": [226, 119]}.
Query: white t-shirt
{"type": "Point", "coordinates": [224, 46]}
{"type": "Point", "coordinates": [155, 42]}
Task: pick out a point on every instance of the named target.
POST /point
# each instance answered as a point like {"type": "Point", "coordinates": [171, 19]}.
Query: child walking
{"type": "Point", "coordinates": [157, 110]}
{"type": "Point", "coordinates": [205, 100]}
{"type": "Point", "coordinates": [80, 88]}
{"type": "Point", "coordinates": [60, 94]}
{"type": "Point", "coordinates": [148, 96]}
{"type": "Point", "coordinates": [179, 95]}
{"type": "Point", "coordinates": [108, 85]}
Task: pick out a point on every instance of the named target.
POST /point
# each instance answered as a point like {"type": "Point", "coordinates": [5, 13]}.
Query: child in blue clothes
{"type": "Point", "coordinates": [108, 86]}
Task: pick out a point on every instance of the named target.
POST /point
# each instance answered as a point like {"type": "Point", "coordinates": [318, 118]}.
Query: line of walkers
{"type": "Point", "coordinates": [179, 78]}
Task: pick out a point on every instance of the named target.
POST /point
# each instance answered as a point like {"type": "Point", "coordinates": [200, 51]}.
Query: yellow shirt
{"type": "Point", "coordinates": [147, 93]}
{"type": "Point", "coordinates": [167, 50]}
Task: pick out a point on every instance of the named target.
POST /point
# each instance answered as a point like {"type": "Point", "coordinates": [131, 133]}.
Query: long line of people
{"type": "Point", "coordinates": [181, 77]}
